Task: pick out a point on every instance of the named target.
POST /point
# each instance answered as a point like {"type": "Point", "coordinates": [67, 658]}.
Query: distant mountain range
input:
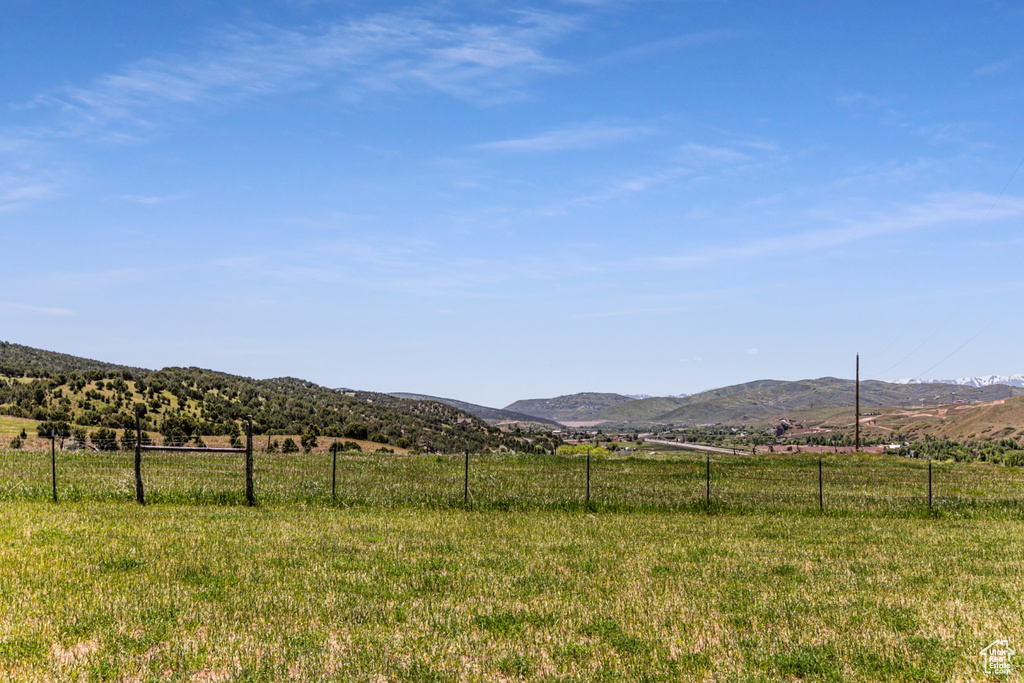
{"type": "Point", "coordinates": [991, 380]}
{"type": "Point", "coordinates": [288, 405]}
{"type": "Point", "coordinates": [751, 402]}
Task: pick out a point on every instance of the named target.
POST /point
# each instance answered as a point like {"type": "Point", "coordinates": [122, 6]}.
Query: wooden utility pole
{"type": "Point", "coordinates": [856, 426]}
{"type": "Point", "coordinates": [140, 495]}
{"type": "Point", "coordinates": [250, 494]}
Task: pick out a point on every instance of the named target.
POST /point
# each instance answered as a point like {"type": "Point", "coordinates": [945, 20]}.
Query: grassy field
{"type": "Point", "coordinates": [394, 581]}
{"type": "Point", "coordinates": [114, 591]}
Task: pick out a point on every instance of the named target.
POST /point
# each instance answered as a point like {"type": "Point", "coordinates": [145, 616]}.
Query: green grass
{"type": "Point", "coordinates": [394, 581]}
{"type": "Point", "coordinates": [95, 591]}
{"type": "Point", "coordinates": [873, 485]}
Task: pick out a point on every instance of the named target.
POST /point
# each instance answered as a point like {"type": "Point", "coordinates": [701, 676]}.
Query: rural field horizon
{"type": "Point", "coordinates": [534, 340]}
{"type": "Point", "coordinates": [364, 542]}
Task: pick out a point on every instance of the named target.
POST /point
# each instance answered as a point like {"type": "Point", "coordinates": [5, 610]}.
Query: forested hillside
{"type": "Point", "coordinates": [191, 402]}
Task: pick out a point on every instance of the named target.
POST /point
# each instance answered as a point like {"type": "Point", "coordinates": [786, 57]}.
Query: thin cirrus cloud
{"type": "Point", "coordinates": [383, 53]}
{"type": "Point", "coordinates": [936, 211]}
{"type": "Point", "coordinates": [17, 191]}
{"type": "Point", "coordinates": [40, 310]}
{"type": "Point", "coordinates": [576, 137]}
{"type": "Point", "coordinates": [679, 42]}
{"type": "Point", "coordinates": [1000, 67]}
{"type": "Point", "coordinates": [152, 200]}
{"type": "Point", "coordinates": [704, 155]}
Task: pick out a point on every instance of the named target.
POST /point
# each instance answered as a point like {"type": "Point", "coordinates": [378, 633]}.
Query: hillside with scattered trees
{"type": "Point", "coordinates": [185, 404]}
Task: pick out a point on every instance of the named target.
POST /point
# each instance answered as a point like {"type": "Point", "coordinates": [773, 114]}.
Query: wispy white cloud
{"type": "Point", "coordinates": [860, 100]}
{"type": "Point", "coordinates": [582, 136]}
{"type": "Point", "coordinates": [17, 191]}
{"type": "Point", "coordinates": [704, 155]}
{"type": "Point", "coordinates": [1000, 67]}
{"type": "Point", "coordinates": [936, 211]}
{"type": "Point", "coordinates": [41, 310]}
{"type": "Point", "coordinates": [690, 161]}
{"type": "Point", "coordinates": [678, 42]}
{"type": "Point", "coordinates": [382, 53]}
{"type": "Point", "coordinates": [150, 200]}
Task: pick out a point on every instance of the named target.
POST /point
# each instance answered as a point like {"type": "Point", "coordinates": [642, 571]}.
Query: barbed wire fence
{"type": "Point", "coordinates": [712, 481]}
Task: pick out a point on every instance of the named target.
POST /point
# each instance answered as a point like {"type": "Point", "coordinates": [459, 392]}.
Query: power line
{"type": "Point", "coordinates": [950, 355]}
{"type": "Point", "coordinates": [1014, 175]}
{"type": "Point", "coordinates": [930, 337]}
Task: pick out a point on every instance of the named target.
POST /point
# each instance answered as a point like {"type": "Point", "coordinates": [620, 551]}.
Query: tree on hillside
{"type": "Point", "coordinates": [355, 430]}
{"type": "Point", "coordinates": [309, 438]}
{"type": "Point", "coordinates": [60, 429]}
{"type": "Point", "coordinates": [234, 433]}
{"type": "Point", "coordinates": [178, 428]}
{"type": "Point", "coordinates": [104, 439]}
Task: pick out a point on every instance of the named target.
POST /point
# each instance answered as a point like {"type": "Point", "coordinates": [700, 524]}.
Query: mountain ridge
{"type": "Point", "coordinates": [750, 402]}
{"type": "Point", "coordinates": [483, 412]}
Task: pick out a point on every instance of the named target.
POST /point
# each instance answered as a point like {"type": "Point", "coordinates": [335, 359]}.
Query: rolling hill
{"type": "Point", "coordinates": [491, 415]}
{"type": "Point", "coordinates": [571, 408]}
{"type": "Point", "coordinates": [52, 387]}
{"type": "Point", "coordinates": [752, 402]}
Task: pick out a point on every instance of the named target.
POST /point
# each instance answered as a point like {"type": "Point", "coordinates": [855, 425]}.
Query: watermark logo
{"type": "Point", "coordinates": [996, 657]}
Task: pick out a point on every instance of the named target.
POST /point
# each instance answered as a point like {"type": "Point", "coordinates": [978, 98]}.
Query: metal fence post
{"type": "Point", "coordinates": [334, 470]}
{"type": "Point", "coordinates": [465, 481]}
{"type": "Point", "coordinates": [588, 478]}
{"type": "Point", "coordinates": [821, 489]}
{"type": "Point", "coordinates": [707, 479]}
{"type": "Point", "coordinates": [929, 482]}
{"type": "Point", "coordinates": [250, 495]}
{"type": "Point", "coordinates": [140, 495]}
{"type": "Point", "coordinates": [53, 462]}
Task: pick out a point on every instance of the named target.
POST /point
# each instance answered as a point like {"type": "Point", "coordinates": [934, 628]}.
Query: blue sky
{"type": "Point", "coordinates": [504, 200]}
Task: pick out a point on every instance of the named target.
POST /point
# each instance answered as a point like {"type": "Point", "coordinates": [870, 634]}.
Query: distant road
{"type": "Point", "coordinates": [713, 449]}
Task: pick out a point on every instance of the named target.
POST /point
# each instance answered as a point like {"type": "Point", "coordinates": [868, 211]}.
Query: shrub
{"type": "Point", "coordinates": [104, 439]}
{"type": "Point", "coordinates": [289, 446]}
{"type": "Point", "coordinates": [309, 438]}
{"type": "Point", "coordinates": [128, 439]}
{"type": "Point", "coordinates": [60, 429]}
{"type": "Point", "coordinates": [355, 430]}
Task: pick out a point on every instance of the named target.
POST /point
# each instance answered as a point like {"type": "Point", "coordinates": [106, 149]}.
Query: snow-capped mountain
{"type": "Point", "coordinates": [1009, 380]}
{"type": "Point", "coordinates": [640, 397]}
